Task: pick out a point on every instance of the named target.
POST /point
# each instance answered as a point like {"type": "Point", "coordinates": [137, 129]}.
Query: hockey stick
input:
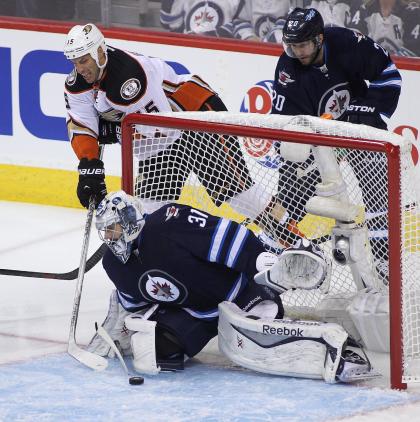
{"type": "Point", "coordinates": [71, 275]}
{"type": "Point", "coordinates": [87, 358]}
{"type": "Point", "coordinates": [133, 380]}
{"type": "Point", "coordinates": [83, 356]}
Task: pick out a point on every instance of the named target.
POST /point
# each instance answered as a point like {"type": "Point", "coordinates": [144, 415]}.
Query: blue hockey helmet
{"type": "Point", "coordinates": [302, 25]}
{"type": "Point", "coordinates": [119, 220]}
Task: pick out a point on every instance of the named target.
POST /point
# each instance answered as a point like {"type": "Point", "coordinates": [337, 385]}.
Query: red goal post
{"type": "Point", "coordinates": [142, 133]}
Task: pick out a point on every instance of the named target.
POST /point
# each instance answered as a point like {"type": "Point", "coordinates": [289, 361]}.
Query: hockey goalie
{"type": "Point", "coordinates": [184, 276]}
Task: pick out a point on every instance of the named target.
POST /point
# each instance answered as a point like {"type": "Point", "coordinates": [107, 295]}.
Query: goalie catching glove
{"type": "Point", "coordinates": [302, 266]}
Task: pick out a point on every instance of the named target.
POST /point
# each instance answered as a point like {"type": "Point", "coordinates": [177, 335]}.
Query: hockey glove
{"type": "Point", "coordinates": [363, 114]}
{"type": "Point", "coordinates": [109, 132]}
{"type": "Point", "coordinates": [91, 181]}
{"type": "Point", "coordinates": [302, 266]}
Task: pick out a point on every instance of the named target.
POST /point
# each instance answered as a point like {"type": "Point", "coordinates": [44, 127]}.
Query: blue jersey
{"type": "Point", "coordinates": [350, 58]}
{"type": "Point", "coordinates": [187, 258]}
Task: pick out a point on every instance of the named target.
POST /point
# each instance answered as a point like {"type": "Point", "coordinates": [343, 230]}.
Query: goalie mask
{"type": "Point", "coordinates": [119, 220]}
{"type": "Point", "coordinates": [85, 39]}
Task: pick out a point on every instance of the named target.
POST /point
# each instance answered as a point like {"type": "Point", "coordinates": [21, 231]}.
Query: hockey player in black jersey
{"type": "Point", "coordinates": [323, 71]}
{"type": "Point", "coordinates": [179, 269]}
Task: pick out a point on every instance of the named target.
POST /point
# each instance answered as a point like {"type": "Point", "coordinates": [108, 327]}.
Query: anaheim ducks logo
{"type": "Point", "coordinates": [156, 285]}
{"type": "Point", "coordinates": [130, 88]}
{"type": "Point", "coordinates": [87, 29]}
{"type": "Point", "coordinates": [71, 78]}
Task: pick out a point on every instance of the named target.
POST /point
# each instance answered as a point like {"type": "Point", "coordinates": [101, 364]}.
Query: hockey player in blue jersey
{"type": "Point", "coordinates": [323, 71]}
{"type": "Point", "coordinates": [178, 270]}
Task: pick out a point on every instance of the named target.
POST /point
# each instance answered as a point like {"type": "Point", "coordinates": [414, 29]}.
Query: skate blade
{"type": "Point", "coordinates": [359, 376]}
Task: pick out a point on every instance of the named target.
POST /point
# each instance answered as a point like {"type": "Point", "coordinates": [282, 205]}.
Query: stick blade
{"type": "Point", "coordinates": [91, 360]}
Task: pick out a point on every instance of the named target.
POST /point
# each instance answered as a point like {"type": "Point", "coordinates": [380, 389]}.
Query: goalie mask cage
{"type": "Point", "coordinates": [231, 165]}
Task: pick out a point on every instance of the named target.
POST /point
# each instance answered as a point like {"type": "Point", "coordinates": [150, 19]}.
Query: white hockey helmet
{"type": "Point", "coordinates": [85, 39]}
{"type": "Point", "coordinates": [119, 220]}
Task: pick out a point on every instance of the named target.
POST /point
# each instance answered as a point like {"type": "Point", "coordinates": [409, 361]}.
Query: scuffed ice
{"type": "Point", "coordinates": [58, 388]}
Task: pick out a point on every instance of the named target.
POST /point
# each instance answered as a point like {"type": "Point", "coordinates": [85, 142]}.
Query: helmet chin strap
{"type": "Point", "coordinates": [105, 62]}
{"type": "Point", "coordinates": [101, 67]}
{"type": "Point", "coordinates": [318, 44]}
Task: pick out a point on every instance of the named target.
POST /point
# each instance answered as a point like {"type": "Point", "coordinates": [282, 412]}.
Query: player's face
{"type": "Point", "coordinates": [305, 51]}
{"type": "Point", "coordinates": [113, 232]}
{"type": "Point", "coordinates": [87, 67]}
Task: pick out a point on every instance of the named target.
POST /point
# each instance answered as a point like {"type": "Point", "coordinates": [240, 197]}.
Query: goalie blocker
{"type": "Point", "coordinates": [304, 349]}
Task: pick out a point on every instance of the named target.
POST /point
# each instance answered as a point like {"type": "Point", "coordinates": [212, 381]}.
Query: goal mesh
{"type": "Point", "coordinates": [233, 165]}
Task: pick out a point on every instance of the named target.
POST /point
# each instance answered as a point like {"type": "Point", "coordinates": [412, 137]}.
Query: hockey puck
{"type": "Point", "coordinates": [136, 380]}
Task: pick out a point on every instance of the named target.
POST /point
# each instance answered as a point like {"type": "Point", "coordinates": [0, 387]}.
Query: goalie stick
{"type": "Point", "coordinates": [71, 275]}
{"type": "Point", "coordinates": [83, 356]}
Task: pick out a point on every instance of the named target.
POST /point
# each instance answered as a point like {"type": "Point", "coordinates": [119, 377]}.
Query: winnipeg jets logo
{"type": "Point", "coordinates": [284, 78]}
{"type": "Point", "coordinates": [336, 102]}
{"type": "Point", "coordinates": [204, 16]}
{"type": "Point", "coordinates": [171, 212]}
{"type": "Point", "coordinates": [161, 290]}
{"type": "Point", "coordinates": [264, 25]}
{"type": "Point", "coordinates": [159, 286]}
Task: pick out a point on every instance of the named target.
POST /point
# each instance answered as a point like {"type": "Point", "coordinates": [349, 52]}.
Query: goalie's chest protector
{"type": "Point", "coordinates": [172, 265]}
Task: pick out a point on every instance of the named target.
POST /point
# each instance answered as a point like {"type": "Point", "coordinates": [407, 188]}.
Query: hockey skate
{"type": "Point", "coordinates": [353, 367]}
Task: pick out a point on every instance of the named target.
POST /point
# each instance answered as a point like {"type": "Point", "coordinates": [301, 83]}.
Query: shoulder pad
{"type": "Point", "coordinates": [75, 82]}
{"type": "Point", "coordinates": [125, 81]}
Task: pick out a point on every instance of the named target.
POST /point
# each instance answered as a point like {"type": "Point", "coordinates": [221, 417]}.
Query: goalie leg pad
{"type": "Point", "coordinates": [303, 349]}
{"type": "Point", "coordinates": [369, 311]}
{"type": "Point", "coordinates": [333, 308]}
{"type": "Point", "coordinates": [144, 349]}
{"type": "Point", "coordinates": [114, 326]}
{"type": "Point", "coordinates": [143, 342]}
{"type": "Point", "coordinates": [162, 342]}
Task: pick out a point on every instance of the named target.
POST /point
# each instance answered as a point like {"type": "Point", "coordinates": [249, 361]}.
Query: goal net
{"type": "Point", "coordinates": [351, 189]}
